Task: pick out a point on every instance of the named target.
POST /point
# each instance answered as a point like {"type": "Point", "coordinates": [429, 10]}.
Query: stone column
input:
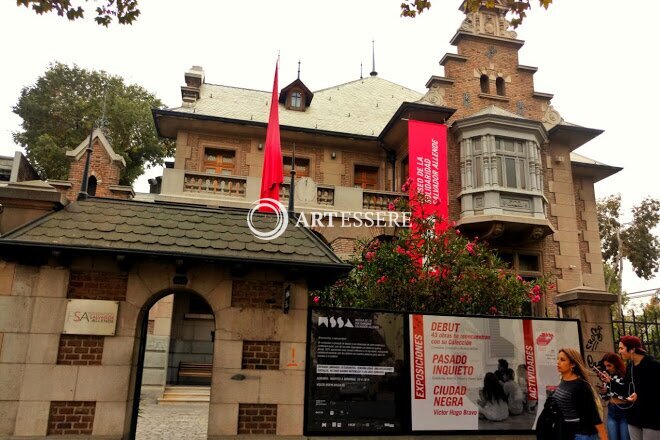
{"type": "Point", "coordinates": [592, 307]}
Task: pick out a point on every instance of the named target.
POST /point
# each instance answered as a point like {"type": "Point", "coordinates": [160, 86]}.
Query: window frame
{"type": "Point", "coordinates": [218, 164]}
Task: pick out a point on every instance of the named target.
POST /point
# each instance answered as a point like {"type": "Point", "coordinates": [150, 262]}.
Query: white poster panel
{"type": "Point", "coordinates": [91, 317]}
{"type": "Point", "coordinates": [454, 358]}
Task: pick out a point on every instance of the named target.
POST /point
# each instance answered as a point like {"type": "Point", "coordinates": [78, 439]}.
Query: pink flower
{"type": "Point", "coordinates": [360, 266]}
{"type": "Point", "coordinates": [519, 278]}
{"type": "Point", "coordinates": [536, 298]}
{"type": "Point", "coordinates": [536, 290]}
{"type": "Point", "coordinates": [316, 300]}
{"type": "Point", "coordinates": [470, 248]}
{"type": "Point", "coordinates": [412, 281]}
{"type": "Point", "coordinates": [552, 287]}
{"type": "Point", "coordinates": [445, 272]}
{"type": "Point", "coordinates": [461, 299]}
{"type": "Point", "coordinates": [493, 310]}
{"type": "Point", "coordinates": [370, 256]}
{"type": "Point", "coordinates": [434, 272]}
{"type": "Point", "coordinates": [390, 206]}
{"type": "Point", "coordinates": [458, 232]}
{"type": "Point", "coordinates": [401, 251]}
{"type": "Point", "coordinates": [382, 279]}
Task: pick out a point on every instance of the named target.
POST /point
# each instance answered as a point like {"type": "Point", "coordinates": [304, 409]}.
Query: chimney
{"type": "Point", "coordinates": [194, 79]}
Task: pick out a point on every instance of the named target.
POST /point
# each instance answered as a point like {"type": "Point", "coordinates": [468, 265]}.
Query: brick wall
{"type": "Point", "coordinates": [257, 418]}
{"type": "Point", "coordinates": [97, 285]}
{"type": "Point", "coordinates": [261, 355]}
{"type": "Point", "coordinates": [257, 293]}
{"type": "Point", "coordinates": [71, 418]}
{"type": "Point", "coordinates": [80, 350]}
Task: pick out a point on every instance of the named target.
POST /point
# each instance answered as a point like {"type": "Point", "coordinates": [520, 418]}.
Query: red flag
{"type": "Point", "coordinates": [427, 146]}
{"type": "Point", "coordinates": [272, 175]}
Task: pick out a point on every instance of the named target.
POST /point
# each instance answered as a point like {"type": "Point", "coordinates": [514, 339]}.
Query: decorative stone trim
{"type": "Point", "coordinates": [71, 418]}
{"type": "Point", "coordinates": [261, 355]}
{"type": "Point", "coordinates": [86, 284]}
{"type": "Point", "coordinates": [257, 293]}
{"type": "Point", "coordinates": [80, 350]}
{"type": "Point", "coordinates": [257, 418]}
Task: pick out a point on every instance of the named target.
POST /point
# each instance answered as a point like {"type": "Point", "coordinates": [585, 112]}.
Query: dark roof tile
{"type": "Point", "coordinates": [152, 228]}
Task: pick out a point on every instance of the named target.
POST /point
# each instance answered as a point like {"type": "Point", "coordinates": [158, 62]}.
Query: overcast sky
{"type": "Point", "coordinates": [596, 58]}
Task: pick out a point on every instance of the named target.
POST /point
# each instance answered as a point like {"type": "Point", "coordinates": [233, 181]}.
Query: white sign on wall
{"type": "Point", "coordinates": [91, 317]}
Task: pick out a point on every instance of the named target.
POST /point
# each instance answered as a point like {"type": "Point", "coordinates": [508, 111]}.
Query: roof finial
{"type": "Point", "coordinates": [298, 69]}
{"type": "Point", "coordinates": [373, 59]}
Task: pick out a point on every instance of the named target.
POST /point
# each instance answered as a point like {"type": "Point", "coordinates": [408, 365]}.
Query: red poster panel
{"type": "Point", "coordinates": [427, 147]}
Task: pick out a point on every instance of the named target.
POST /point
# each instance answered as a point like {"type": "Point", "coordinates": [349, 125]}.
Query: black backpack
{"type": "Point", "coordinates": [551, 425]}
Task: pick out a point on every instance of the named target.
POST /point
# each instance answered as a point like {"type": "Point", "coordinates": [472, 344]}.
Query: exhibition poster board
{"type": "Point", "coordinates": [390, 373]}
{"type": "Point", "coordinates": [450, 357]}
{"type": "Point", "coordinates": [354, 372]}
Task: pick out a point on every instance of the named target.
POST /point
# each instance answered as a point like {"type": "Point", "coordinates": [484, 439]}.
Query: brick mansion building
{"type": "Point", "coordinates": [192, 285]}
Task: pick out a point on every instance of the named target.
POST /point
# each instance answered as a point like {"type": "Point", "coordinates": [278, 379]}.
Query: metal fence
{"type": "Point", "coordinates": [645, 326]}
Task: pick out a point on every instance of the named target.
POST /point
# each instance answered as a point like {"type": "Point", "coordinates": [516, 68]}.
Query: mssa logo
{"type": "Point", "coordinates": [331, 322]}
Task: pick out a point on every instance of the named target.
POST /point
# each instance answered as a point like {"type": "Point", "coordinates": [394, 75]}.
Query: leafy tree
{"type": "Point", "coordinates": [518, 8]}
{"type": "Point", "coordinates": [433, 271]}
{"type": "Point", "coordinates": [125, 11]}
{"type": "Point", "coordinates": [633, 241]}
{"type": "Point", "coordinates": [58, 111]}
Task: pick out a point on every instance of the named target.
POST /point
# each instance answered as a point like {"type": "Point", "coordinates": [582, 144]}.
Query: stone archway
{"type": "Point", "coordinates": [174, 365]}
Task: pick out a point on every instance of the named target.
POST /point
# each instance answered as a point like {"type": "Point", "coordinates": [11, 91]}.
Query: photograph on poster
{"type": "Point", "coordinates": [483, 374]}
{"type": "Point", "coordinates": [354, 372]}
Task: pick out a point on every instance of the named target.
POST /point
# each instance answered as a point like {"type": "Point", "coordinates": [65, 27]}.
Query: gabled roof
{"type": "Point", "coordinates": [129, 227]}
{"type": "Point", "coordinates": [362, 107]}
{"type": "Point", "coordinates": [97, 133]}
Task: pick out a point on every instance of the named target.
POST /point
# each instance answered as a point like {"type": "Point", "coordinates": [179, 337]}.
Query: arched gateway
{"type": "Point", "coordinates": [104, 263]}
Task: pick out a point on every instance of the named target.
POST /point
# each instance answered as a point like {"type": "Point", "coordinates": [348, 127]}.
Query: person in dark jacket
{"type": "Point", "coordinates": [577, 399]}
{"type": "Point", "coordinates": [643, 377]}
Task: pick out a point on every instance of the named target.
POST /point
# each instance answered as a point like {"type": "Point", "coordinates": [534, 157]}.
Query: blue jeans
{"type": "Point", "coordinates": [586, 437]}
{"type": "Point", "coordinates": [617, 427]}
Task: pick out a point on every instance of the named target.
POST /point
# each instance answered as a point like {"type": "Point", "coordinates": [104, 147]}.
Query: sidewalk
{"type": "Point", "coordinates": [172, 421]}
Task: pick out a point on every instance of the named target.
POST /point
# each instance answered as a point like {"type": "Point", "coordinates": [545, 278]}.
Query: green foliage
{"type": "Point", "coordinates": [125, 11]}
{"type": "Point", "coordinates": [431, 271]}
{"type": "Point", "coordinates": [58, 111]}
{"type": "Point", "coordinates": [518, 8]}
{"type": "Point", "coordinates": [638, 244]}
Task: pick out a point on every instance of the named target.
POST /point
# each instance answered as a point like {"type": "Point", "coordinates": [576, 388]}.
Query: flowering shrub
{"type": "Point", "coordinates": [430, 270]}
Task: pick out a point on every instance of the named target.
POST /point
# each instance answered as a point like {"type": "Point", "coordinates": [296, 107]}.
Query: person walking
{"type": "Point", "coordinates": [576, 399]}
{"type": "Point", "coordinates": [643, 377]}
{"type": "Point", "coordinates": [615, 392]}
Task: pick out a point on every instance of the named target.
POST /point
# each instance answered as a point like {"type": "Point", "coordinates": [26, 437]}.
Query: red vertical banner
{"type": "Point", "coordinates": [271, 175]}
{"type": "Point", "coordinates": [419, 367]}
{"type": "Point", "coordinates": [427, 159]}
{"type": "Point", "coordinates": [530, 361]}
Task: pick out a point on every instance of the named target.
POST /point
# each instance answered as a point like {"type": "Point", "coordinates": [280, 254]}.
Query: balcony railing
{"type": "Point", "coordinates": [325, 194]}
{"type": "Point", "coordinates": [379, 200]}
{"type": "Point", "coordinates": [227, 186]}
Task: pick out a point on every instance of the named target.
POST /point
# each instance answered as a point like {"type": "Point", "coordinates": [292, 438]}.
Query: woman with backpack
{"type": "Point", "coordinates": [615, 392]}
{"type": "Point", "coordinates": [576, 399]}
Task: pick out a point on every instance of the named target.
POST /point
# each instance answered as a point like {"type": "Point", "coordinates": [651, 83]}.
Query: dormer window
{"type": "Point", "coordinates": [295, 101]}
{"type": "Point", "coordinates": [499, 85]}
{"type": "Point", "coordinates": [485, 84]}
{"type": "Point", "coordinates": [296, 96]}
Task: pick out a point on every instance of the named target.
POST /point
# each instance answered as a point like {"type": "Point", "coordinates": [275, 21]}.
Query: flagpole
{"type": "Point", "coordinates": [292, 186]}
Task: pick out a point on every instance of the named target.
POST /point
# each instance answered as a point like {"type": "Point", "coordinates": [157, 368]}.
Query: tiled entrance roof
{"type": "Point", "coordinates": [162, 229]}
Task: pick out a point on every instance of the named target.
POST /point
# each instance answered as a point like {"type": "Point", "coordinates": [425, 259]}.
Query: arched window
{"type": "Point", "coordinates": [499, 85]}
{"type": "Point", "coordinates": [91, 186]}
{"type": "Point", "coordinates": [296, 100]}
{"type": "Point", "coordinates": [485, 84]}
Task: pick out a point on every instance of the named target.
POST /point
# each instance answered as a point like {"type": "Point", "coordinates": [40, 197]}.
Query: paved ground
{"type": "Point", "coordinates": [172, 421]}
